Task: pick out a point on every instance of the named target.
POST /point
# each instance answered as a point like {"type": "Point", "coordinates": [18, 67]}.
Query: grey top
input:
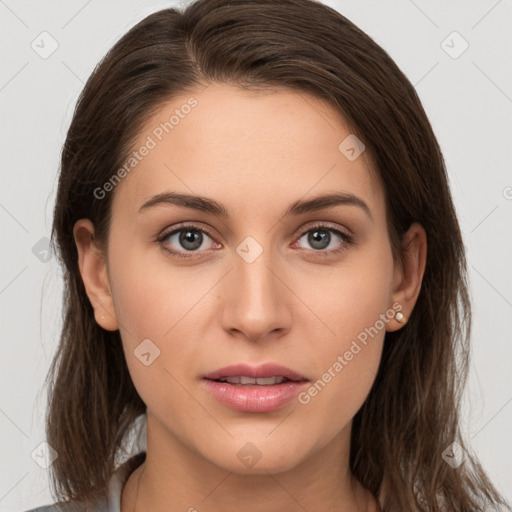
{"type": "Point", "coordinates": [113, 501]}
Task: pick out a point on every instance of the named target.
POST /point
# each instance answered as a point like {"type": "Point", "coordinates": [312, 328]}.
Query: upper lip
{"type": "Point", "coordinates": [262, 371]}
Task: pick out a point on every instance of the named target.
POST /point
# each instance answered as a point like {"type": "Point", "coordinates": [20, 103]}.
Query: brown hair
{"type": "Point", "coordinates": [411, 414]}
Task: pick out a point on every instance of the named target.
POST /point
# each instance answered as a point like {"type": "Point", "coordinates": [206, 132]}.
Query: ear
{"type": "Point", "coordinates": [407, 278]}
{"type": "Point", "coordinates": [93, 269]}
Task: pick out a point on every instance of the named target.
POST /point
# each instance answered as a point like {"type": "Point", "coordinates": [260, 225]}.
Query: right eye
{"type": "Point", "coordinates": [186, 238]}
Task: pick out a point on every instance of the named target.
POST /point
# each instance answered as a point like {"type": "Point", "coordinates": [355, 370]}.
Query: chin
{"type": "Point", "coordinates": [253, 457]}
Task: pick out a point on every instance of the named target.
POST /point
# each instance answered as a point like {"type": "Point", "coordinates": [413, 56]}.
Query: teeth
{"type": "Point", "coordinates": [266, 381]}
{"type": "Point", "coordinates": [261, 381]}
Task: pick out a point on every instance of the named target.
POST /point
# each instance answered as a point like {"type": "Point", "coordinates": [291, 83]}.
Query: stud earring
{"type": "Point", "coordinates": [399, 316]}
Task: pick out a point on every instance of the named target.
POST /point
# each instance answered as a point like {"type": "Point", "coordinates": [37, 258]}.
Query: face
{"type": "Point", "coordinates": [194, 291]}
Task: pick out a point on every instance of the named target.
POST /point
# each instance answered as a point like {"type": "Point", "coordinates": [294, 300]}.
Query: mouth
{"type": "Point", "coordinates": [254, 382]}
{"type": "Point", "coordinates": [255, 389]}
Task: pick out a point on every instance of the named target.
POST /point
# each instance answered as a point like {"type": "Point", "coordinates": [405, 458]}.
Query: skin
{"type": "Point", "coordinates": [256, 154]}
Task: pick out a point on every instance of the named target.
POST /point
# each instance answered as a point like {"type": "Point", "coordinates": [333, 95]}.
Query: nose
{"type": "Point", "coordinates": [256, 299]}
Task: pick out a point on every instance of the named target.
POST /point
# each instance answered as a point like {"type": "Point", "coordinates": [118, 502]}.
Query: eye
{"type": "Point", "coordinates": [321, 237]}
{"type": "Point", "coordinates": [186, 238]}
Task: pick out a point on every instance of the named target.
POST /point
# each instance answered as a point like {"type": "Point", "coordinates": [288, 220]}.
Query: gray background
{"type": "Point", "coordinates": [468, 100]}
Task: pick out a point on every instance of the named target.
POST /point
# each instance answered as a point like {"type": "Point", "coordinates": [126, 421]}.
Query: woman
{"type": "Point", "coordinates": [263, 262]}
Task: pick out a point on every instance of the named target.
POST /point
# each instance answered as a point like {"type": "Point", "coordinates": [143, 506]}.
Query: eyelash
{"type": "Point", "coordinates": [347, 239]}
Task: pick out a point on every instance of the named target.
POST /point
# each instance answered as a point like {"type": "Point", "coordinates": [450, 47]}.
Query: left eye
{"type": "Point", "coordinates": [320, 238]}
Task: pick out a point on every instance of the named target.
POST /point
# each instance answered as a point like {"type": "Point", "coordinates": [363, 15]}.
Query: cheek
{"type": "Point", "coordinates": [159, 309]}
{"type": "Point", "coordinates": [350, 297]}
{"type": "Point", "coordinates": [347, 365]}
{"type": "Point", "coordinates": [150, 296]}
{"type": "Point", "coordinates": [354, 306]}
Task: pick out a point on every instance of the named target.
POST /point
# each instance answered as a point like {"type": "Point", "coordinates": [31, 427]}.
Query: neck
{"type": "Point", "coordinates": [174, 478]}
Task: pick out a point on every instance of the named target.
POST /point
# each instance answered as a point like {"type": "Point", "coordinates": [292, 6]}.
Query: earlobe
{"type": "Point", "coordinates": [93, 270]}
{"type": "Point", "coordinates": [408, 277]}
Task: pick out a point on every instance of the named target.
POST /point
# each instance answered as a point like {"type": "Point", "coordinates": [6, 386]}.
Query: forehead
{"type": "Point", "coordinates": [248, 149]}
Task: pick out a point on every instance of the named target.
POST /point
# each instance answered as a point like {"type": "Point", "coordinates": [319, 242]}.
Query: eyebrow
{"type": "Point", "coordinates": [300, 207]}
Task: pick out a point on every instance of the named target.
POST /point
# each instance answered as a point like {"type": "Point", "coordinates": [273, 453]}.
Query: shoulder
{"type": "Point", "coordinates": [70, 506]}
{"type": "Point", "coordinates": [112, 502]}
{"type": "Point", "coordinates": [60, 507]}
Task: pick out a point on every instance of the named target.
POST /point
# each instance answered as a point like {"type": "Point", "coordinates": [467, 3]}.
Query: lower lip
{"type": "Point", "coordinates": [257, 398]}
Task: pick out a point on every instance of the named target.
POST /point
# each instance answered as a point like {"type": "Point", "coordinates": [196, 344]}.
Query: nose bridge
{"type": "Point", "coordinates": [255, 302]}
